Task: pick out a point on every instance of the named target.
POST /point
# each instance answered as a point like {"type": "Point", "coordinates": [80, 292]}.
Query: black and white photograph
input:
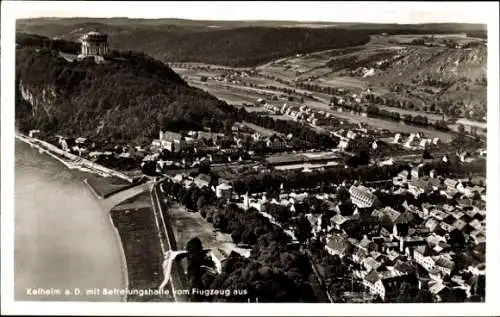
{"type": "Point", "coordinates": [253, 153]}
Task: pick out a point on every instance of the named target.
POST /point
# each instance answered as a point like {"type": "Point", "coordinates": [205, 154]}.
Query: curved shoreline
{"type": "Point", "coordinates": [99, 201]}
{"type": "Point", "coordinates": [123, 263]}
{"type": "Point", "coordinates": [77, 163]}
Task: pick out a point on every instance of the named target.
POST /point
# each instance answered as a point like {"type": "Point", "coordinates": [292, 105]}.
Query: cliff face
{"type": "Point", "coordinates": [39, 98]}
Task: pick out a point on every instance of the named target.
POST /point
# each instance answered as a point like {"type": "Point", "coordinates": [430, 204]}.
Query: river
{"type": "Point", "coordinates": [63, 236]}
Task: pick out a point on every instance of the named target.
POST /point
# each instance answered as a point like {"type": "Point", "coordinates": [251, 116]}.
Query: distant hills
{"type": "Point", "coordinates": [232, 43]}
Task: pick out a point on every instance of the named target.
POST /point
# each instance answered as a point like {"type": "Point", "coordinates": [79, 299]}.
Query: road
{"type": "Point", "coordinates": [176, 283]}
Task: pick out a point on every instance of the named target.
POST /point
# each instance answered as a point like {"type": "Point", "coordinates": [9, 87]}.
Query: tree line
{"type": "Point", "coordinates": [296, 179]}
{"type": "Point", "coordinates": [276, 270]}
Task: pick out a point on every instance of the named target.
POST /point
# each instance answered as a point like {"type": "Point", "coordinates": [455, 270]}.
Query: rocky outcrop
{"type": "Point", "coordinates": [40, 98]}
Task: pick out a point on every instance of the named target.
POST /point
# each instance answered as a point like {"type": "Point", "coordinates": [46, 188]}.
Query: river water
{"type": "Point", "coordinates": [64, 239]}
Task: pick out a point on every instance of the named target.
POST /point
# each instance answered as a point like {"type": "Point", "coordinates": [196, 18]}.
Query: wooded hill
{"type": "Point", "coordinates": [127, 98]}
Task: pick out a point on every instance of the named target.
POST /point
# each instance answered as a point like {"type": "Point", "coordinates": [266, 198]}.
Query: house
{"type": "Point", "coordinates": [478, 237]}
{"type": "Point", "coordinates": [276, 144]}
{"type": "Point", "coordinates": [315, 221]}
{"type": "Point", "coordinates": [459, 224]}
{"type": "Point", "coordinates": [419, 186]}
{"type": "Point", "coordinates": [457, 214]}
{"type": "Point", "coordinates": [218, 257]}
{"type": "Point", "coordinates": [434, 239]}
{"type": "Point", "coordinates": [432, 224]}
{"type": "Point", "coordinates": [338, 245]}
{"type": "Point", "coordinates": [371, 264]}
{"type": "Point", "coordinates": [403, 223]}
{"type": "Point", "coordinates": [178, 178]}
{"type": "Point", "coordinates": [80, 140]}
{"type": "Point", "coordinates": [438, 214]}
{"type": "Point", "coordinates": [385, 284]}
{"type": "Point", "coordinates": [451, 183]}
{"type": "Point", "coordinates": [426, 208]}
{"type": "Point", "coordinates": [337, 221]}
{"type": "Point", "coordinates": [476, 224]}
{"type": "Point", "coordinates": [202, 180]}
{"type": "Point", "coordinates": [364, 243]}
{"type": "Point", "coordinates": [171, 141]}
{"type": "Point", "coordinates": [351, 135]}
{"type": "Point", "coordinates": [444, 265]}
{"type": "Point", "coordinates": [465, 190]}
{"type": "Point", "coordinates": [401, 178]}
{"type": "Point", "coordinates": [446, 227]}
{"type": "Point", "coordinates": [359, 254]}
{"type": "Point", "coordinates": [224, 191]}
{"type": "Point", "coordinates": [343, 144]}
{"type": "Point", "coordinates": [362, 197]}
{"type": "Point", "coordinates": [422, 255]}
{"type": "Point", "coordinates": [397, 138]}
{"type": "Point", "coordinates": [387, 213]}
{"type": "Point", "coordinates": [437, 289]}
{"type": "Point", "coordinates": [374, 284]}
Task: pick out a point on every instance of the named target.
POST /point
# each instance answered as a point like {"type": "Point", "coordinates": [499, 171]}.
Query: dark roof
{"type": "Point", "coordinates": [204, 177]}
{"type": "Point", "coordinates": [384, 232]}
{"type": "Point", "coordinates": [365, 242]}
{"type": "Point", "coordinates": [432, 224]}
{"type": "Point", "coordinates": [449, 219]}
{"type": "Point", "coordinates": [372, 277]}
{"type": "Point", "coordinates": [404, 267]}
{"type": "Point", "coordinates": [459, 224]}
{"type": "Point", "coordinates": [466, 218]}
{"type": "Point", "coordinates": [424, 250]}
{"type": "Point", "coordinates": [337, 243]}
{"type": "Point", "coordinates": [445, 263]}
{"type": "Point", "coordinates": [405, 218]}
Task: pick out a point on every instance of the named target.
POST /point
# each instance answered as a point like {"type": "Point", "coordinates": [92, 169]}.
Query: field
{"type": "Point", "coordinates": [259, 129]}
{"type": "Point", "coordinates": [384, 63]}
{"type": "Point", "coordinates": [417, 74]}
{"type": "Point", "coordinates": [188, 225]}
{"type": "Point", "coordinates": [228, 94]}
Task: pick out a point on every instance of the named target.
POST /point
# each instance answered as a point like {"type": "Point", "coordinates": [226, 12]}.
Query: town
{"type": "Point", "coordinates": [358, 213]}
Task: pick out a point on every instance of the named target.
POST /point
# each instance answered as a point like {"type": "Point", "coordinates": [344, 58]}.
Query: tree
{"type": "Point", "coordinates": [204, 168]}
{"type": "Point", "coordinates": [201, 202]}
{"type": "Point", "coordinates": [457, 240]}
{"type": "Point", "coordinates": [461, 261]}
{"type": "Point", "coordinates": [303, 229]}
{"type": "Point", "coordinates": [194, 246]}
{"type": "Point", "coordinates": [427, 155]}
{"type": "Point", "coordinates": [461, 129]}
{"type": "Point", "coordinates": [342, 194]}
{"type": "Point", "coordinates": [424, 296]}
{"type": "Point", "coordinates": [407, 293]}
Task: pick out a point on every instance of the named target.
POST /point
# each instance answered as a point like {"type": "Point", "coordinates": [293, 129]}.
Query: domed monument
{"type": "Point", "coordinates": [95, 44]}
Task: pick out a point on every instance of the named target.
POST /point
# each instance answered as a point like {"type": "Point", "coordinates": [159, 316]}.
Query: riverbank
{"type": "Point", "coordinates": [72, 161]}
{"type": "Point", "coordinates": [64, 238]}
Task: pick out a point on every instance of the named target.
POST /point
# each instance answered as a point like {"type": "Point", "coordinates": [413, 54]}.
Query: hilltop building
{"type": "Point", "coordinates": [95, 44]}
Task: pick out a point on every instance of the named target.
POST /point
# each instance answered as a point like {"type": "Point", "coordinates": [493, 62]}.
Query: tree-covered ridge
{"type": "Point", "coordinates": [251, 46]}
{"type": "Point", "coordinates": [233, 43]}
{"type": "Point", "coordinates": [129, 97]}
